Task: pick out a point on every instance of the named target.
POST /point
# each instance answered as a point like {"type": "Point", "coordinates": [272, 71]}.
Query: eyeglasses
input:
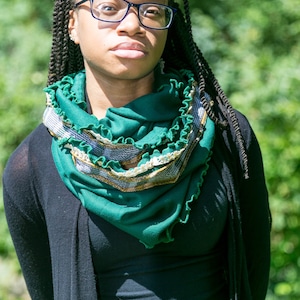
{"type": "Point", "coordinates": [150, 15]}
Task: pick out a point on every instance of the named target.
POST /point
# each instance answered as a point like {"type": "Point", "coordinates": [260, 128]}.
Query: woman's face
{"type": "Point", "coordinates": [124, 50]}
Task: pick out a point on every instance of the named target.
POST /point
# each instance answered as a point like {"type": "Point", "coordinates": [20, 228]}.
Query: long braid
{"type": "Point", "coordinates": [221, 97]}
{"type": "Point", "coordinates": [227, 107]}
{"type": "Point", "coordinates": [203, 71]}
{"type": "Point", "coordinates": [223, 113]}
{"type": "Point", "coordinates": [65, 56]}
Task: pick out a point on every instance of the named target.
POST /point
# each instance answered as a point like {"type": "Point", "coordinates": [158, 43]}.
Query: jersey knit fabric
{"type": "Point", "coordinates": [55, 238]}
{"type": "Point", "coordinates": [192, 265]}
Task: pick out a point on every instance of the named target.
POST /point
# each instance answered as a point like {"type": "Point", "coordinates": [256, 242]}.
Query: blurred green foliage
{"type": "Point", "coordinates": [254, 49]}
{"type": "Point", "coordinates": [24, 50]}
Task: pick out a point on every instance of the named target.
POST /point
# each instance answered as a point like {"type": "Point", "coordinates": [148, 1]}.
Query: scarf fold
{"type": "Point", "coordinates": [142, 165]}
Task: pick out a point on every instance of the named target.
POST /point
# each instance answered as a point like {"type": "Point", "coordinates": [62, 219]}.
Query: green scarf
{"type": "Point", "coordinates": [142, 165]}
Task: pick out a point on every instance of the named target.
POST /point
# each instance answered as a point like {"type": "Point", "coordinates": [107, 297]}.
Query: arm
{"type": "Point", "coordinates": [27, 225]}
{"type": "Point", "coordinates": [255, 217]}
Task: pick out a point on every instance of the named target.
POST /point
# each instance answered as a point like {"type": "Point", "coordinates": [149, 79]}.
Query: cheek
{"type": "Point", "coordinates": [91, 42]}
{"type": "Point", "coordinates": [87, 29]}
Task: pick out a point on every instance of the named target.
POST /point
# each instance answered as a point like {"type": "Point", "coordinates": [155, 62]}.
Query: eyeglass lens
{"type": "Point", "coordinates": [151, 15]}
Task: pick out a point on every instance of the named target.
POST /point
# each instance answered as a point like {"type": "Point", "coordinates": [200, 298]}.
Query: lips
{"type": "Point", "coordinates": [129, 50]}
{"type": "Point", "coordinates": [130, 46]}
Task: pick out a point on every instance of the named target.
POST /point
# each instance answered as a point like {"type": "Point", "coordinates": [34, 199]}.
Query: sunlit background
{"type": "Point", "coordinates": [254, 49]}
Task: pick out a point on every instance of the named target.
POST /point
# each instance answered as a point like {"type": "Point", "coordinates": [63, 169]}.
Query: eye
{"type": "Point", "coordinates": [106, 8]}
{"type": "Point", "coordinates": [152, 11]}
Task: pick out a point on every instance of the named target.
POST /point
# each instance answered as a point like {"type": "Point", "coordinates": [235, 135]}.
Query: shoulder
{"type": "Point", "coordinates": [243, 120]}
{"type": "Point", "coordinates": [239, 141]}
{"type": "Point", "coordinates": [243, 124]}
{"type": "Point", "coordinates": [246, 128]}
{"type": "Point", "coordinates": [244, 134]}
{"type": "Point", "coordinates": [36, 142]}
{"type": "Point", "coordinates": [18, 175]}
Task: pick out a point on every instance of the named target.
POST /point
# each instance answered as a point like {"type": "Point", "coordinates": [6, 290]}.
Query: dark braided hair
{"type": "Point", "coordinates": [65, 56]}
{"type": "Point", "coordinates": [180, 52]}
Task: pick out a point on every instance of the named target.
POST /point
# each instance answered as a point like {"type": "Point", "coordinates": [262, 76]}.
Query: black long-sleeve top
{"type": "Point", "coordinates": [56, 238]}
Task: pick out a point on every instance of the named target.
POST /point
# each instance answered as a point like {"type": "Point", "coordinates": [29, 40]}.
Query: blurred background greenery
{"type": "Point", "coordinates": [253, 47]}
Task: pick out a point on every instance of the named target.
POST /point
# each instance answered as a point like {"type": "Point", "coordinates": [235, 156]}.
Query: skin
{"type": "Point", "coordinates": [119, 58]}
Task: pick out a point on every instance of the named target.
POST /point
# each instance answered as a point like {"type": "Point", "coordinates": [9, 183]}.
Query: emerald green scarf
{"type": "Point", "coordinates": [142, 165]}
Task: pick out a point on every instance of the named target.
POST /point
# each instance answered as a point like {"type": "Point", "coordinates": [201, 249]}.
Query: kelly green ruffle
{"type": "Point", "coordinates": [123, 145]}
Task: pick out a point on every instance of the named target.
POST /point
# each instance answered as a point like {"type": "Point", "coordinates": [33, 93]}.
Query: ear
{"type": "Point", "coordinates": [72, 27]}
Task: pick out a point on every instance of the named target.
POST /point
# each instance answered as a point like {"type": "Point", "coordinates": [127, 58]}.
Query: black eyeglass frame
{"type": "Point", "coordinates": [130, 4]}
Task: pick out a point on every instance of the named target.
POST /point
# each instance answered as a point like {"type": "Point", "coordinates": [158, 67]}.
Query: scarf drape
{"type": "Point", "coordinates": [142, 165]}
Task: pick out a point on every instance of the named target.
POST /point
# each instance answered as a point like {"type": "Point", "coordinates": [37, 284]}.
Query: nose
{"type": "Point", "coordinates": [131, 23]}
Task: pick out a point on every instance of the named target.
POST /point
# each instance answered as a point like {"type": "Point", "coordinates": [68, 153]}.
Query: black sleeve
{"type": "Point", "coordinates": [26, 223]}
{"type": "Point", "coordinates": [255, 216]}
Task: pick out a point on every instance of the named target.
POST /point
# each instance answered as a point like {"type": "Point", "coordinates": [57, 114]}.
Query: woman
{"type": "Point", "coordinates": [143, 182]}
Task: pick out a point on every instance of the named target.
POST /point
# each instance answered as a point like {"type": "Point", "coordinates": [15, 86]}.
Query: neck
{"type": "Point", "coordinates": [106, 92]}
